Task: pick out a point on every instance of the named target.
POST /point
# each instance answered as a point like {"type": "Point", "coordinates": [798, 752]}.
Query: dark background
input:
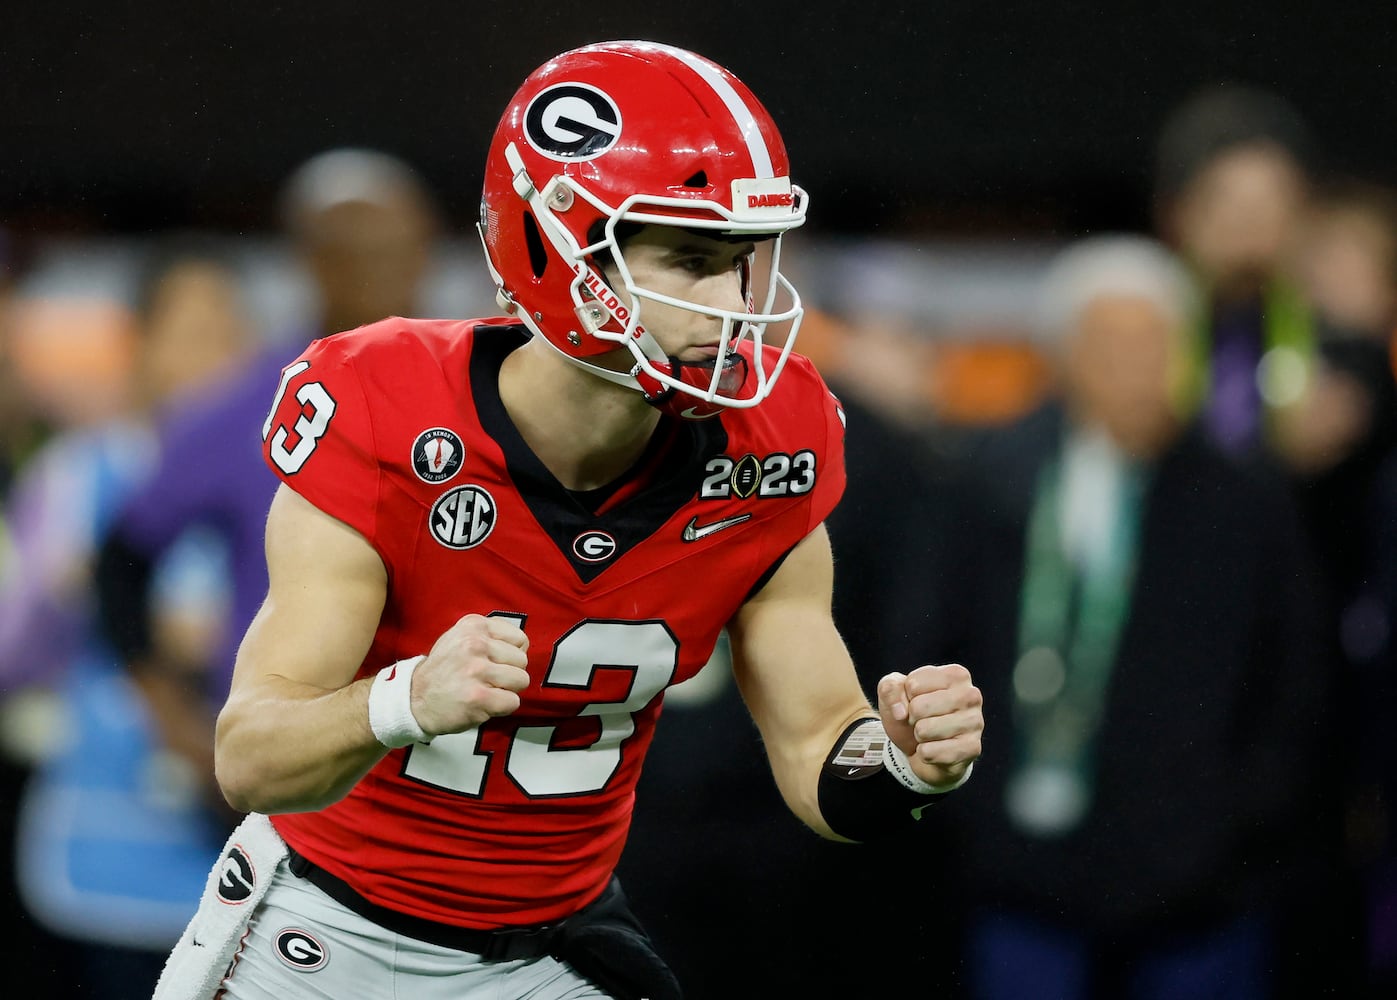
{"type": "Point", "coordinates": [952, 115]}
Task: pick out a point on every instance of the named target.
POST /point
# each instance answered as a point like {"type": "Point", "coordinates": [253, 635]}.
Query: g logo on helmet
{"type": "Point", "coordinates": [572, 121]}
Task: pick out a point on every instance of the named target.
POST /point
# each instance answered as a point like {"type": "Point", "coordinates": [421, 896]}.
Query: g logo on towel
{"type": "Point", "coordinates": [238, 877]}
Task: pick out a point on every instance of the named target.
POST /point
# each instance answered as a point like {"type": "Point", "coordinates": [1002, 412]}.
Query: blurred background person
{"type": "Point", "coordinates": [1279, 361]}
{"type": "Point", "coordinates": [1348, 266]}
{"type": "Point", "coordinates": [22, 430]}
{"type": "Point", "coordinates": [112, 833]}
{"type": "Point", "coordinates": [1347, 257]}
{"type": "Point", "coordinates": [1375, 822]}
{"type": "Point", "coordinates": [363, 228]}
{"type": "Point", "coordinates": [1280, 367]}
{"type": "Point", "coordinates": [1141, 608]}
{"type": "Point", "coordinates": [21, 425]}
{"type": "Point", "coordinates": [189, 326]}
{"type": "Point", "coordinates": [1345, 266]}
{"type": "Point", "coordinates": [1233, 172]}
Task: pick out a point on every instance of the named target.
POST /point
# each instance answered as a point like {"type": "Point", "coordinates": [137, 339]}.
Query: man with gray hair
{"type": "Point", "coordinates": [1140, 607]}
{"type": "Point", "coordinates": [1114, 310]}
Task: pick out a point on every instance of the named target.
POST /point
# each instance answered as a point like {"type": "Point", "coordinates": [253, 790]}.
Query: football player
{"type": "Point", "coordinates": [498, 541]}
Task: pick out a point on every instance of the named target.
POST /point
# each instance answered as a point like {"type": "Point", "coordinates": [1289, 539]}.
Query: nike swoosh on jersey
{"type": "Point", "coordinates": [693, 532]}
{"type": "Point", "coordinates": [692, 413]}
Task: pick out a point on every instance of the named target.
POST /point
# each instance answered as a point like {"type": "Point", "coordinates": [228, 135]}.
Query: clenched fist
{"type": "Point", "coordinates": [934, 715]}
{"type": "Point", "coordinates": [475, 671]}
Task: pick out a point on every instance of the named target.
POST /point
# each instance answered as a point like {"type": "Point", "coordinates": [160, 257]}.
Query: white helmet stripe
{"type": "Point", "coordinates": [746, 121]}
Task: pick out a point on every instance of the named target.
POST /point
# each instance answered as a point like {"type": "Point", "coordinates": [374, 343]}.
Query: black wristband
{"type": "Point", "coordinates": [860, 799]}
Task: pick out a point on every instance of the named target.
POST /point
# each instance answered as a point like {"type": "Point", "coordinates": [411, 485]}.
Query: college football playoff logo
{"type": "Point", "coordinates": [572, 121]}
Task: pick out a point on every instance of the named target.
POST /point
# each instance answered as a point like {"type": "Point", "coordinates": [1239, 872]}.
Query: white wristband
{"type": "Point", "coordinates": [390, 706]}
{"type": "Point", "coordinates": [901, 768]}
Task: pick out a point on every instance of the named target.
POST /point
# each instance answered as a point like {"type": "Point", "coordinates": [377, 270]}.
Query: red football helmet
{"type": "Point", "coordinates": [638, 132]}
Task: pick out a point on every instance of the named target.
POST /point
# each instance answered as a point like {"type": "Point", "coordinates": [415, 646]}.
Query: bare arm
{"type": "Point", "coordinates": [294, 734]}
{"type": "Point", "coordinates": [801, 688]}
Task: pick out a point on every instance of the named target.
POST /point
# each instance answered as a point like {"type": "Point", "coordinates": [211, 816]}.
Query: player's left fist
{"type": "Point", "coordinates": [935, 716]}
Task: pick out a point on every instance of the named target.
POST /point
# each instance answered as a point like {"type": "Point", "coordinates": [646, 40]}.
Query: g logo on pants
{"type": "Point", "coordinates": [300, 949]}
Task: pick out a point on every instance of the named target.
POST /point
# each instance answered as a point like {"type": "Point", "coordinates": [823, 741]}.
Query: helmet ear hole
{"type": "Point", "coordinates": [597, 230]}
{"type": "Point", "coordinates": [699, 180]}
{"type": "Point", "coordinates": [533, 239]}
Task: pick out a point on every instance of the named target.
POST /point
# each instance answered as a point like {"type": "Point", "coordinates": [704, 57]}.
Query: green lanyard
{"type": "Point", "coordinates": [1288, 350]}
{"type": "Point", "coordinates": [1070, 623]}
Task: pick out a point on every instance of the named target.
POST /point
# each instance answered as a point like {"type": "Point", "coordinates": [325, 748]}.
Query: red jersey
{"type": "Point", "coordinates": [398, 430]}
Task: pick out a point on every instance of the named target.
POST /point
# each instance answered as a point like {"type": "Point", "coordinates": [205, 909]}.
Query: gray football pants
{"type": "Point", "coordinates": [302, 945]}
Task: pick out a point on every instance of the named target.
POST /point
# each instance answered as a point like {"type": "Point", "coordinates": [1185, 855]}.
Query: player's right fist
{"type": "Point", "coordinates": [475, 671]}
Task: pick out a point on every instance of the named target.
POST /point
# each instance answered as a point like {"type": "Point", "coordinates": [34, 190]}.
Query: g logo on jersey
{"type": "Point", "coordinates": [463, 518]}
{"type": "Point", "coordinates": [594, 546]}
{"type": "Point", "coordinates": [437, 455]}
{"type": "Point", "coordinates": [572, 121]}
{"type": "Point", "coordinates": [237, 878]}
{"type": "Point", "coordinates": [300, 949]}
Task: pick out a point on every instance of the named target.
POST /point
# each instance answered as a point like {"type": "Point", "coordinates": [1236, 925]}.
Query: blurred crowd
{"type": "Point", "coordinates": [1147, 493]}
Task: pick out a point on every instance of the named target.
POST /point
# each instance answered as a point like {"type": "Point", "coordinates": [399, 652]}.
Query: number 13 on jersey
{"type": "Point", "coordinates": [648, 649]}
{"type": "Point", "coordinates": [318, 406]}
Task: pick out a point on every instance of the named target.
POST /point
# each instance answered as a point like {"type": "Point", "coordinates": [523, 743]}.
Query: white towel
{"type": "Point", "coordinates": [236, 884]}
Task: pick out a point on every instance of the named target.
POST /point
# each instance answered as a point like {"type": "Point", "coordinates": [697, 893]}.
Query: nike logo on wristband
{"type": "Point", "coordinates": [693, 532]}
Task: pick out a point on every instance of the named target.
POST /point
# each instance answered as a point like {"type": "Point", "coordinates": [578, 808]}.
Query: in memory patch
{"type": "Point", "coordinates": [437, 455]}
